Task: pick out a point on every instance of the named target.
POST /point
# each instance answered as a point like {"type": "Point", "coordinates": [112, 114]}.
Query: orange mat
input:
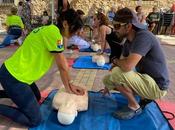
{"type": "Point", "coordinates": [168, 108]}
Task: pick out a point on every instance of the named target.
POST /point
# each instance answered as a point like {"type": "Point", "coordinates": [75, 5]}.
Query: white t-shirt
{"type": "Point", "coordinates": [78, 41]}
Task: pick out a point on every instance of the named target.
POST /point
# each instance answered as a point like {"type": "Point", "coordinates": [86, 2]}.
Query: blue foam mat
{"type": "Point", "coordinates": [85, 62]}
{"type": "Point", "coordinates": [98, 116]}
{"type": "Point", "coordinates": [90, 50]}
{"type": "Point", "coordinates": [86, 50]}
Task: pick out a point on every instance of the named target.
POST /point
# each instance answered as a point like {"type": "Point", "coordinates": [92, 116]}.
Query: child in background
{"type": "Point", "coordinates": [45, 18]}
{"type": "Point", "coordinates": [20, 6]}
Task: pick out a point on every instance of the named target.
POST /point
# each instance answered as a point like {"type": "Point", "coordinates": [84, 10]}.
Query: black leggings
{"type": "Point", "coordinates": [34, 88]}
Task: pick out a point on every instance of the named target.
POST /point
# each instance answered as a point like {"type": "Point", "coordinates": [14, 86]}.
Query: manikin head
{"type": "Point", "coordinates": [67, 112]}
{"type": "Point", "coordinates": [68, 105]}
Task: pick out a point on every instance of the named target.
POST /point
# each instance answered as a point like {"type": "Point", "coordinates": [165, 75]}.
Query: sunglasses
{"type": "Point", "coordinates": [118, 25]}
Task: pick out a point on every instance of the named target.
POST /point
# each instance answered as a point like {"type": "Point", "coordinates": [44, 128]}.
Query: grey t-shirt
{"type": "Point", "coordinates": [153, 60]}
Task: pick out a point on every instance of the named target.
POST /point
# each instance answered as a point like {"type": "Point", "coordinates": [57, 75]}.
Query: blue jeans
{"type": "Point", "coordinates": [27, 111]}
{"type": "Point", "coordinates": [12, 34]}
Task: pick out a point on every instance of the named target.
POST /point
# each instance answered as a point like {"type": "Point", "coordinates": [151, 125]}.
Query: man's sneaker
{"type": "Point", "coordinates": [126, 113]}
{"type": "Point", "coordinates": [144, 102]}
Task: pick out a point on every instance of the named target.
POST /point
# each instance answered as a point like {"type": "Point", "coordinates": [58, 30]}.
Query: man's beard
{"type": "Point", "coordinates": [123, 41]}
{"type": "Point", "coordinates": [122, 38]}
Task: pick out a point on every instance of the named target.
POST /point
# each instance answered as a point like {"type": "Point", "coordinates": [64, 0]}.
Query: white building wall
{"type": "Point", "coordinates": [16, 2]}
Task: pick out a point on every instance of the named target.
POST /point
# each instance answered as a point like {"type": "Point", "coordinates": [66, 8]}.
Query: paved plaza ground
{"type": "Point", "coordinates": [91, 79]}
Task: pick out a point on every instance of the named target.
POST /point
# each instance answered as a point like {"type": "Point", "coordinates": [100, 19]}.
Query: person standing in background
{"type": "Point", "coordinates": [27, 16]}
{"type": "Point", "coordinates": [140, 15]}
{"type": "Point", "coordinates": [20, 6]}
{"type": "Point", "coordinates": [173, 20]}
{"type": "Point", "coordinates": [45, 18]}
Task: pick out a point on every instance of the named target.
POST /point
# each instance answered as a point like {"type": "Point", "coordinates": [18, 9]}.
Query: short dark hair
{"type": "Point", "coordinates": [45, 13]}
{"type": "Point", "coordinates": [80, 12]}
{"type": "Point", "coordinates": [124, 15]}
{"type": "Point", "coordinates": [137, 7]}
{"type": "Point", "coordinates": [73, 19]}
{"type": "Point", "coordinates": [20, 3]}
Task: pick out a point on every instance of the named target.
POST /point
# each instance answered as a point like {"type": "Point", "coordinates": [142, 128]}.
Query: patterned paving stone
{"type": "Point", "coordinates": [85, 78]}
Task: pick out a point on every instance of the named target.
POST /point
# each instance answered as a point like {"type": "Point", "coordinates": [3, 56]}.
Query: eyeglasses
{"type": "Point", "coordinates": [118, 25]}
